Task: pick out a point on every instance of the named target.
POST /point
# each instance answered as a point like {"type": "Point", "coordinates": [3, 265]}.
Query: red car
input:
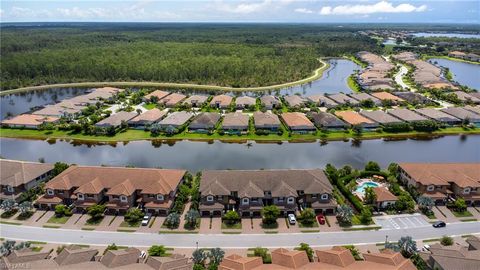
{"type": "Point", "coordinates": [321, 219]}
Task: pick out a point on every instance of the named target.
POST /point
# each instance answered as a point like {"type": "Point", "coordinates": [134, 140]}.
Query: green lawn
{"type": "Point", "coordinates": [313, 225]}
{"type": "Point", "coordinates": [94, 222]}
{"type": "Point", "coordinates": [149, 106]}
{"type": "Point", "coordinates": [237, 225]}
{"type": "Point", "coordinates": [58, 220]}
{"type": "Point", "coordinates": [465, 213]}
{"type": "Point", "coordinates": [269, 226]}
{"type": "Point", "coordinates": [130, 225]}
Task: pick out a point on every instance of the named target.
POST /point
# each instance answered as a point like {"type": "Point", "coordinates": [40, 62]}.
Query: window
{"type": "Point", "coordinates": [150, 195]}
{"type": "Point", "coordinates": [9, 188]}
{"type": "Point", "coordinates": [254, 200]}
{"type": "Point", "coordinates": [314, 196]}
{"type": "Point", "coordinates": [50, 192]}
{"type": "Point", "coordinates": [91, 196]}
{"type": "Point", "coordinates": [431, 188]}
{"type": "Point", "coordinates": [245, 201]}
{"type": "Point", "coordinates": [80, 196]}
{"type": "Point", "coordinates": [281, 199]}
{"type": "Point", "coordinates": [466, 190]}
{"type": "Point", "coordinates": [209, 198]}
{"type": "Point", "coordinates": [123, 198]}
{"type": "Point", "coordinates": [324, 196]}
{"type": "Point", "coordinates": [160, 197]}
{"type": "Point", "coordinates": [115, 196]}
{"type": "Point", "coordinates": [290, 200]}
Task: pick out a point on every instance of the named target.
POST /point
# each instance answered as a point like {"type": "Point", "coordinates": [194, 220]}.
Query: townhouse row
{"type": "Point", "coordinates": [376, 75]}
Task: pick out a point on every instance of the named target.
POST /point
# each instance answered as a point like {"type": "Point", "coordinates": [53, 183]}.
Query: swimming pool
{"type": "Point", "coordinates": [361, 188]}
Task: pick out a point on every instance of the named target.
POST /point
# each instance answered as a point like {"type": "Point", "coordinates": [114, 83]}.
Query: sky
{"type": "Point", "coordinates": [283, 11]}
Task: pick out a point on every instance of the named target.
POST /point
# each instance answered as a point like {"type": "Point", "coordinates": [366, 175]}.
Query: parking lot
{"type": "Point", "coordinates": [401, 222]}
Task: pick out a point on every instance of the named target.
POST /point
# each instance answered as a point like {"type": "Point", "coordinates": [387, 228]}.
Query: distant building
{"type": "Point", "coordinates": [115, 120]}
{"type": "Point", "coordinates": [204, 122]}
{"type": "Point", "coordinates": [297, 122]}
{"type": "Point", "coordinates": [28, 121]}
{"type": "Point", "coordinates": [221, 101]}
{"type": "Point", "coordinates": [147, 118]}
{"type": "Point", "coordinates": [271, 102]}
{"type": "Point", "coordinates": [266, 121]}
{"type": "Point", "coordinates": [244, 102]}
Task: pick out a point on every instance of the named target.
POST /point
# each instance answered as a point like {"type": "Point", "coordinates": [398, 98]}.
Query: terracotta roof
{"type": "Point", "coordinates": [173, 262]}
{"type": "Point", "coordinates": [353, 118]}
{"type": "Point", "coordinates": [93, 187]}
{"type": "Point", "coordinates": [383, 194]}
{"type": "Point", "coordinates": [152, 115]}
{"type": "Point", "coordinates": [296, 119]}
{"type": "Point", "coordinates": [222, 100]}
{"type": "Point", "coordinates": [245, 101]}
{"type": "Point", "coordinates": [121, 257]}
{"type": "Point", "coordinates": [119, 180]}
{"type": "Point", "coordinates": [73, 256]}
{"type": "Point", "coordinates": [265, 119]}
{"type": "Point", "coordinates": [198, 99]}
{"type": "Point", "coordinates": [157, 93]}
{"type": "Point", "coordinates": [462, 174]}
{"type": "Point", "coordinates": [15, 173]}
{"type": "Point", "coordinates": [29, 120]}
{"type": "Point", "coordinates": [117, 119]}
{"type": "Point", "coordinates": [172, 99]}
{"type": "Point", "coordinates": [26, 255]}
{"type": "Point", "coordinates": [386, 96]}
{"type": "Point", "coordinates": [294, 259]}
{"type": "Point", "coordinates": [338, 256]}
{"type": "Point", "coordinates": [235, 120]}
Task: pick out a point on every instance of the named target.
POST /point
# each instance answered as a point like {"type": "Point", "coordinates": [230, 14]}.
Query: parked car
{"type": "Point", "coordinates": [291, 219]}
{"type": "Point", "coordinates": [426, 248]}
{"type": "Point", "coordinates": [321, 219]}
{"type": "Point", "coordinates": [145, 220]}
{"type": "Point", "coordinates": [439, 224]}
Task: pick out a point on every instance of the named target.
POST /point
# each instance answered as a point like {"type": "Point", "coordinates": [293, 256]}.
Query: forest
{"type": "Point", "coordinates": [237, 55]}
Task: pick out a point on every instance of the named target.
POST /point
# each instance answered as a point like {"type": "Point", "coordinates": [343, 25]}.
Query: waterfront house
{"type": "Point", "coordinates": [236, 122]}
{"type": "Point", "coordinates": [326, 120]}
{"type": "Point", "coordinates": [172, 100]}
{"type": "Point", "coordinates": [204, 122]}
{"type": "Point", "coordinates": [457, 54]}
{"type": "Point", "coordinates": [343, 99]}
{"type": "Point", "coordinates": [473, 57]}
{"type": "Point", "coordinates": [463, 114]}
{"type": "Point", "coordinates": [407, 115]}
{"type": "Point", "coordinates": [28, 121]}
{"type": "Point", "coordinates": [63, 109]}
{"type": "Point", "coordinates": [20, 176]}
{"type": "Point", "coordinates": [380, 117]}
{"type": "Point", "coordinates": [443, 180]}
{"type": "Point", "coordinates": [354, 119]}
{"type": "Point", "coordinates": [118, 188]}
{"type": "Point", "coordinates": [155, 95]}
{"type": "Point", "coordinates": [244, 102]}
{"type": "Point", "coordinates": [297, 122]}
{"type": "Point", "coordinates": [364, 96]}
{"type": "Point", "coordinates": [221, 102]}
{"type": "Point", "coordinates": [266, 121]}
{"type": "Point", "coordinates": [387, 96]}
{"type": "Point", "coordinates": [116, 120]}
{"type": "Point", "coordinates": [147, 118]}
{"type": "Point", "coordinates": [466, 97]}
{"type": "Point", "coordinates": [414, 98]}
{"type": "Point", "coordinates": [439, 116]}
{"type": "Point", "coordinates": [196, 100]}
{"type": "Point", "coordinates": [270, 102]}
{"type": "Point", "coordinates": [247, 191]}
{"type": "Point", "coordinates": [176, 120]}
{"type": "Point", "coordinates": [474, 109]}
{"type": "Point", "coordinates": [322, 101]}
{"type": "Point", "coordinates": [295, 101]}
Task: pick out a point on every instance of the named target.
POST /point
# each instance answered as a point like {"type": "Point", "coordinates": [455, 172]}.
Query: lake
{"type": "Point", "coordinates": [464, 73]}
{"type": "Point", "coordinates": [196, 156]}
{"type": "Point", "coordinates": [448, 35]}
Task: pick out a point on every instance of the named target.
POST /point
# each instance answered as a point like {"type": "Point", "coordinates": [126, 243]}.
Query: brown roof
{"type": "Point", "coordinates": [455, 257]}
{"type": "Point", "coordinates": [437, 115]}
{"type": "Point", "coordinates": [237, 262]}
{"type": "Point", "coordinates": [222, 100]}
{"type": "Point", "coordinates": [462, 174]}
{"type": "Point", "coordinates": [235, 120]}
{"type": "Point", "coordinates": [176, 118]}
{"type": "Point", "coordinates": [380, 117]}
{"type": "Point", "coordinates": [29, 120]}
{"type": "Point", "coordinates": [338, 256]}
{"type": "Point", "coordinates": [73, 256]}
{"type": "Point", "coordinates": [475, 109]}
{"type": "Point", "coordinates": [270, 100]}
{"type": "Point", "coordinates": [198, 99]}
{"type": "Point", "coordinates": [265, 119]}
{"type": "Point", "coordinates": [245, 101]}
{"type": "Point", "coordinates": [296, 119]}
{"type": "Point", "coordinates": [294, 100]}
{"type": "Point", "coordinates": [157, 93]}
{"type": "Point", "coordinates": [466, 97]}
{"type": "Point", "coordinates": [15, 173]}
{"type": "Point", "coordinates": [386, 96]}
{"type": "Point", "coordinates": [292, 259]}
{"type": "Point", "coordinates": [341, 98]}
{"type": "Point", "coordinates": [383, 194]}
{"type": "Point", "coordinates": [407, 115]}
{"type": "Point", "coordinates": [364, 96]}
{"type": "Point", "coordinates": [253, 183]}
{"type": "Point", "coordinates": [205, 120]}
{"type": "Point", "coordinates": [353, 118]}
{"type": "Point", "coordinates": [173, 262]}
{"type": "Point", "coordinates": [152, 115]}
{"type": "Point", "coordinates": [119, 180]}
{"type": "Point", "coordinates": [26, 255]}
{"type": "Point", "coordinates": [116, 258]}
{"type": "Point", "coordinates": [462, 113]}
{"type": "Point", "coordinates": [117, 119]}
{"type": "Point", "coordinates": [172, 99]}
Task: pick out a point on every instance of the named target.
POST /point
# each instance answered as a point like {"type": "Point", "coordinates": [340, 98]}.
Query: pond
{"type": "Point", "coordinates": [464, 73]}
{"type": "Point", "coordinates": [196, 156]}
{"type": "Point", "coordinates": [448, 35]}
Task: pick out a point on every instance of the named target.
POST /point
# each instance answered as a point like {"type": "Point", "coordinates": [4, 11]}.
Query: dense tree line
{"type": "Point", "coordinates": [227, 55]}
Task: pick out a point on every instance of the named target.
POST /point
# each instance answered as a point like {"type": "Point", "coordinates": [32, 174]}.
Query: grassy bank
{"type": "Point", "coordinates": [135, 135]}
{"type": "Point", "coordinates": [353, 84]}
{"type": "Point", "coordinates": [317, 74]}
{"type": "Point", "coordinates": [426, 57]}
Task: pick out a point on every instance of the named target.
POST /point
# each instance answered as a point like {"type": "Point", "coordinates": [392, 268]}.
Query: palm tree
{"type": "Point", "coordinates": [407, 246]}
{"type": "Point", "coordinates": [25, 208]}
{"type": "Point", "coordinates": [8, 205]}
{"type": "Point", "coordinates": [8, 246]}
{"type": "Point", "coordinates": [216, 256]}
{"type": "Point", "coordinates": [344, 214]}
{"type": "Point", "coordinates": [425, 203]}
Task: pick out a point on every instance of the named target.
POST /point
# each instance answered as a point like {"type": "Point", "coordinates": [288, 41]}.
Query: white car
{"type": "Point", "coordinates": [145, 220]}
{"type": "Point", "coordinates": [426, 248]}
{"type": "Point", "coordinates": [291, 219]}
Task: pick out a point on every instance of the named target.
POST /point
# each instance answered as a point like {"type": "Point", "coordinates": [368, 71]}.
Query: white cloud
{"type": "Point", "coordinates": [380, 7]}
{"type": "Point", "coordinates": [243, 8]}
{"type": "Point", "coordinates": [303, 10]}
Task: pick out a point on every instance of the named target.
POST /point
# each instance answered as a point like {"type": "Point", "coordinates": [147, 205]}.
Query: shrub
{"type": "Point", "coordinates": [231, 217]}
{"type": "Point", "coordinates": [307, 216]}
{"type": "Point", "coordinates": [156, 250]}
{"type": "Point", "coordinates": [173, 220]}
{"type": "Point", "coordinates": [133, 215]}
{"type": "Point", "coordinates": [270, 214]}
{"type": "Point", "coordinates": [446, 241]}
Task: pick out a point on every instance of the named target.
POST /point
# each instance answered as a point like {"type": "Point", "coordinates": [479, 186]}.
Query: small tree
{"type": "Point", "coordinates": [191, 218]}
{"type": "Point", "coordinates": [157, 250]}
{"type": "Point", "coordinates": [407, 246]}
{"type": "Point", "coordinates": [231, 217]}
{"type": "Point", "coordinates": [110, 247]}
{"type": "Point", "coordinates": [344, 214]}
{"type": "Point", "coordinates": [96, 211]}
{"type": "Point", "coordinates": [372, 166]}
{"type": "Point", "coordinates": [306, 247]}
{"type": "Point", "coordinates": [404, 202]}
{"type": "Point", "coordinates": [393, 169]}
{"type": "Point", "coordinates": [62, 210]}
{"type": "Point", "coordinates": [133, 215]}
{"type": "Point", "coordinates": [370, 195]}
{"type": "Point", "coordinates": [8, 205]}
{"type": "Point", "coordinates": [216, 256]}
{"type": "Point", "coordinates": [199, 256]}
{"type": "Point", "coordinates": [173, 220]}
{"type": "Point", "coordinates": [460, 205]}
{"type": "Point", "coordinates": [261, 252]}
{"type": "Point", "coordinates": [446, 240]}
{"type": "Point", "coordinates": [8, 246]}
{"type": "Point", "coordinates": [425, 204]}
{"type": "Point", "coordinates": [366, 216]}
{"type": "Point", "coordinates": [59, 167]}
{"type": "Point", "coordinates": [270, 214]}
{"type": "Point", "coordinates": [25, 209]}
{"type": "Point", "coordinates": [307, 216]}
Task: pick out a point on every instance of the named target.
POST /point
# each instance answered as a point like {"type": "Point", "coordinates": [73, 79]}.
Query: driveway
{"type": "Point", "coordinates": [401, 222]}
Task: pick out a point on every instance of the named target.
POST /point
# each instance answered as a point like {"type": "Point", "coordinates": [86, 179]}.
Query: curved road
{"type": "Point", "coordinates": [287, 240]}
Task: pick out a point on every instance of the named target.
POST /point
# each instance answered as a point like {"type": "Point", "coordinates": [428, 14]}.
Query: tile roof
{"type": "Point", "coordinates": [341, 98]}
{"type": "Point", "coordinates": [296, 119]}
{"type": "Point", "coordinates": [364, 96]}
{"type": "Point", "coordinates": [157, 93]}
{"type": "Point", "coordinates": [270, 100]}
{"type": "Point", "coordinates": [380, 117]}
{"type": "Point", "coordinates": [245, 101]}
{"type": "Point", "coordinates": [353, 118]}
{"type": "Point", "coordinates": [205, 120]}
{"type": "Point", "coordinates": [121, 257]}
{"type": "Point", "coordinates": [322, 100]}
{"type": "Point", "coordinates": [383, 194]}
{"type": "Point", "coordinates": [117, 119]}
{"type": "Point", "coordinates": [222, 100]}
{"type": "Point", "coordinates": [294, 100]}
{"type": "Point", "coordinates": [386, 96]}
{"type": "Point", "coordinates": [462, 174]}
{"type": "Point", "coordinates": [407, 115]}
{"type": "Point", "coordinates": [73, 256]}
{"type": "Point", "coordinates": [265, 119]}
{"type": "Point", "coordinates": [15, 173]}
{"type": "Point", "coordinates": [198, 99]}
{"type": "Point", "coordinates": [152, 115]}
{"type": "Point", "coordinates": [462, 113]}
{"type": "Point", "coordinates": [324, 119]}
{"type": "Point", "coordinates": [437, 115]}
{"type": "Point", "coordinates": [172, 99]}
{"type": "Point", "coordinates": [176, 118]}
{"type": "Point", "coordinates": [466, 97]}
{"type": "Point", "coordinates": [29, 120]}
{"type": "Point", "coordinates": [474, 109]}
{"type": "Point", "coordinates": [235, 120]}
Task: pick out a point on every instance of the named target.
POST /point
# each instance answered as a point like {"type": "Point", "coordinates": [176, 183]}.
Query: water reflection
{"type": "Point", "coordinates": [463, 73]}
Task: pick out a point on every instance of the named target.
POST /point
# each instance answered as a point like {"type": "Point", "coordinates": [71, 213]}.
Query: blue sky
{"type": "Point", "coordinates": [314, 11]}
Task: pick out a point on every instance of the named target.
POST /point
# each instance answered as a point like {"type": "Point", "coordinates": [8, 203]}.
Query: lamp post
{"type": "Point", "coordinates": [386, 239]}
{"type": "Point", "coordinates": [197, 244]}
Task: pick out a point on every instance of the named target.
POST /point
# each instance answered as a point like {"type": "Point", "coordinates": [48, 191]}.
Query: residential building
{"type": "Point", "coordinates": [439, 116]}
{"type": "Point", "coordinates": [235, 122]}
{"type": "Point", "coordinates": [474, 109]}
{"type": "Point", "coordinates": [176, 120]}
{"type": "Point", "coordinates": [473, 57]}
{"type": "Point", "coordinates": [454, 257]}
{"type": "Point", "coordinates": [247, 191]}
{"type": "Point", "coordinates": [196, 100]}
{"type": "Point", "coordinates": [221, 101]}
{"type": "Point", "coordinates": [353, 119]}
{"type": "Point", "coordinates": [384, 198]}
{"type": "Point", "coordinates": [364, 96]}
{"type": "Point", "coordinates": [270, 102]}
{"type": "Point", "coordinates": [380, 117]}
{"type": "Point", "coordinates": [297, 122]}
{"type": "Point", "coordinates": [414, 98]}
{"type": "Point", "coordinates": [19, 176]}
{"type": "Point", "coordinates": [147, 118]}
{"type": "Point", "coordinates": [322, 101]}
{"type": "Point", "coordinates": [457, 54]}
{"type": "Point", "coordinates": [375, 75]}
{"type": "Point", "coordinates": [463, 114]}
{"type": "Point", "coordinates": [28, 121]}
{"type": "Point", "coordinates": [245, 102]}
{"type": "Point", "coordinates": [466, 97]}
{"type": "Point", "coordinates": [326, 120]}
{"type": "Point", "coordinates": [266, 121]}
{"type": "Point", "coordinates": [172, 100]}
{"type": "Point", "coordinates": [204, 122]}
{"type": "Point", "coordinates": [172, 262]}
{"type": "Point", "coordinates": [343, 99]}
{"type": "Point", "coordinates": [116, 120]}
{"type": "Point", "coordinates": [295, 101]}
{"type": "Point", "coordinates": [118, 188]}
{"type": "Point", "coordinates": [63, 109]}
{"type": "Point", "coordinates": [407, 115]}
{"type": "Point", "coordinates": [387, 96]}
{"type": "Point", "coordinates": [155, 95]}
{"type": "Point", "coordinates": [441, 181]}
{"type": "Point", "coordinates": [121, 257]}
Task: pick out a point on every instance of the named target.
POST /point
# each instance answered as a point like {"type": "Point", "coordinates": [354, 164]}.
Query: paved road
{"type": "Point", "coordinates": [401, 222]}
{"type": "Point", "coordinates": [399, 77]}
{"type": "Point", "coordinates": [290, 240]}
